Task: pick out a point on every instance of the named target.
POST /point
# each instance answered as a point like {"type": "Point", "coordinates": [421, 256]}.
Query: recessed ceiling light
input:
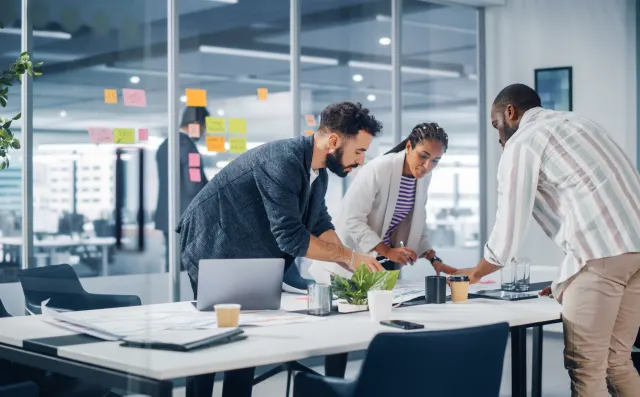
{"type": "Point", "coordinates": [134, 79]}
{"type": "Point", "coordinates": [63, 113]}
{"type": "Point", "coordinates": [384, 41]}
{"type": "Point", "coordinates": [220, 112]}
{"type": "Point", "coordinates": [371, 97]}
{"type": "Point", "coordinates": [183, 98]}
{"type": "Point", "coordinates": [357, 77]}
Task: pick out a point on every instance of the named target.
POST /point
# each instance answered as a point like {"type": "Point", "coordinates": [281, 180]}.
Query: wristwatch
{"type": "Point", "coordinates": [435, 258]}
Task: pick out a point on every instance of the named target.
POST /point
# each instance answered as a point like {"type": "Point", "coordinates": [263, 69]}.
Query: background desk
{"type": "Point", "coordinates": [30, 341]}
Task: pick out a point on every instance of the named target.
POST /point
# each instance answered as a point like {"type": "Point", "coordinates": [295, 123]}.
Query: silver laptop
{"type": "Point", "coordinates": [256, 284]}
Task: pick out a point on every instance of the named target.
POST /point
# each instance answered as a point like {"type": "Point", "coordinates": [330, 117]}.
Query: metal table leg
{"type": "Point", "coordinates": [238, 383]}
{"type": "Point", "coordinates": [518, 362]}
{"type": "Point", "coordinates": [536, 365]}
{"type": "Point", "coordinates": [105, 260]}
{"type": "Point", "coordinates": [336, 365]}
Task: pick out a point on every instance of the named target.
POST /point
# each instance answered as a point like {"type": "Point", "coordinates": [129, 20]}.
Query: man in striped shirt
{"type": "Point", "coordinates": [585, 194]}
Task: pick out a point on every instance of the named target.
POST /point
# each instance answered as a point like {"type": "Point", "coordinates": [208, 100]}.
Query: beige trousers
{"type": "Point", "coordinates": [601, 317]}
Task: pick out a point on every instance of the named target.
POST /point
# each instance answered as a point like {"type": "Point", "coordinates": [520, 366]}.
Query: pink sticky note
{"type": "Point", "coordinates": [194, 160]}
{"type": "Point", "coordinates": [194, 175]}
{"type": "Point", "coordinates": [486, 282]}
{"type": "Point", "coordinates": [100, 135]}
{"type": "Point", "coordinates": [143, 134]}
{"type": "Point", "coordinates": [133, 97]}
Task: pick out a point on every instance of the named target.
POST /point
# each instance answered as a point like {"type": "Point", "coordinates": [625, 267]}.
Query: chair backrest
{"type": "Point", "coordinates": [3, 311]}
{"type": "Point", "coordinates": [59, 283]}
{"type": "Point", "coordinates": [24, 389]}
{"type": "Point", "coordinates": [461, 363]}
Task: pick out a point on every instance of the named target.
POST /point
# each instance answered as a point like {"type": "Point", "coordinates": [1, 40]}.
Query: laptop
{"type": "Point", "coordinates": [255, 284]}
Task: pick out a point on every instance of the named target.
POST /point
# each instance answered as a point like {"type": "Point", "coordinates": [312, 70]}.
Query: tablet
{"type": "Point", "coordinates": [505, 295]}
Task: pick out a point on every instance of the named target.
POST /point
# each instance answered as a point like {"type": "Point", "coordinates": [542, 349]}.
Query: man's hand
{"type": "Point", "coordinates": [546, 292]}
{"type": "Point", "coordinates": [440, 267]}
{"type": "Point", "coordinates": [401, 255]}
{"type": "Point", "coordinates": [369, 261]}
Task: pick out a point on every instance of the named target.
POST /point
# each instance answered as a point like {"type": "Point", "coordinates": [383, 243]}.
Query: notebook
{"type": "Point", "coordinates": [185, 340]}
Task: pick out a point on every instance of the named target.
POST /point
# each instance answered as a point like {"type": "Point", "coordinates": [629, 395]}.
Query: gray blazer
{"type": "Point", "coordinates": [261, 205]}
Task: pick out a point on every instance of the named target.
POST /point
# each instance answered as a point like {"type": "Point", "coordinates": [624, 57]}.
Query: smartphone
{"type": "Point", "coordinates": [402, 324]}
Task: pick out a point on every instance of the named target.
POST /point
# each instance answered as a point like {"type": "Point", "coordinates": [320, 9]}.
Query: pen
{"type": "Point", "coordinates": [407, 255]}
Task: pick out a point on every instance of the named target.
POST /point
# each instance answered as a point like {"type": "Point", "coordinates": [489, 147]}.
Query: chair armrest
{"type": "Point", "coordinates": [311, 385]}
{"type": "Point", "coordinates": [107, 301]}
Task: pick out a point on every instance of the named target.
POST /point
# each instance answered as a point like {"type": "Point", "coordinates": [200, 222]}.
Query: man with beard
{"type": "Point", "coordinates": [270, 203]}
{"type": "Point", "coordinates": [585, 194]}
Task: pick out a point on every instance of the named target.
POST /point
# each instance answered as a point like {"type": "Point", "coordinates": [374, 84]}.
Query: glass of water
{"type": "Point", "coordinates": [319, 303]}
{"type": "Point", "coordinates": [508, 277]}
{"type": "Point", "coordinates": [522, 273]}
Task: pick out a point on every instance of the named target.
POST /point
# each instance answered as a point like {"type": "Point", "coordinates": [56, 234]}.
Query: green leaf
{"type": "Point", "coordinates": [3, 165]}
{"type": "Point", "coordinates": [37, 74]}
{"type": "Point", "coordinates": [7, 125]}
{"type": "Point", "coordinates": [3, 101]}
{"type": "Point", "coordinates": [17, 116]}
{"type": "Point", "coordinates": [15, 144]}
{"type": "Point", "coordinates": [39, 64]}
{"type": "Point", "coordinates": [354, 290]}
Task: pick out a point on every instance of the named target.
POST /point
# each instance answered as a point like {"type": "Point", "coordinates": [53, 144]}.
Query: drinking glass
{"type": "Point", "coordinates": [508, 277]}
{"type": "Point", "coordinates": [319, 300]}
{"type": "Point", "coordinates": [522, 275]}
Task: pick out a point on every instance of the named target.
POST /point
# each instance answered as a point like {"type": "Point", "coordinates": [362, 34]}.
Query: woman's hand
{"type": "Point", "coordinates": [440, 267]}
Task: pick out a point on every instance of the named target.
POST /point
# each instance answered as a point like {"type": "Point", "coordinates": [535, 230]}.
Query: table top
{"type": "Point", "coordinates": [60, 242]}
{"type": "Point", "coordinates": [277, 344]}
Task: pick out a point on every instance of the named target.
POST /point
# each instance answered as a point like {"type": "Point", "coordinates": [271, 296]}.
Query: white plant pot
{"type": "Point", "coordinates": [344, 307]}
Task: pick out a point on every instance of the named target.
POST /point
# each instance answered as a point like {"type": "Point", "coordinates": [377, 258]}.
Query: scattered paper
{"type": "Point", "coordinates": [215, 144]}
{"type": "Point", "coordinates": [194, 175]}
{"type": "Point", "coordinates": [308, 132]}
{"type": "Point", "coordinates": [194, 130]}
{"type": "Point", "coordinates": [110, 96]}
{"type": "Point", "coordinates": [134, 97]}
{"type": "Point", "coordinates": [310, 119]}
{"type": "Point", "coordinates": [100, 135]}
{"type": "Point", "coordinates": [237, 145]}
{"type": "Point", "coordinates": [215, 125]}
{"type": "Point", "coordinates": [194, 160]}
{"type": "Point", "coordinates": [262, 94]}
{"type": "Point", "coordinates": [143, 134]}
{"type": "Point", "coordinates": [238, 126]}
{"type": "Point", "coordinates": [124, 135]}
{"type": "Point", "coordinates": [196, 97]}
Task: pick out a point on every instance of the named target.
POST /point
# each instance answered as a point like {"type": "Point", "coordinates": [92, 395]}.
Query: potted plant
{"type": "Point", "coordinates": [7, 77]}
{"type": "Point", "coordinates": [353, 292]}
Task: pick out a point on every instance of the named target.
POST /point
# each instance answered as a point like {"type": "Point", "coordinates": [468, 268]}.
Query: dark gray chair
{"type": "Point", "coordinates": [60, 284]}
{"type": "Point", "coordinates": [23, 389]}
{"type": "Point", "coordinates": [459, 363]}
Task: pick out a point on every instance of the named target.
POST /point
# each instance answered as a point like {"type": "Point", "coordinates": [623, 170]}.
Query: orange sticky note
{"type": "Point", "coordinates": [110, 96]}
{"type": "Point", "coordinates": [133, 97]}
{"type": "Point", "coordinates": [194, 160]}
{"type": "Point", "coordinates": [143, 134]}
{"type": "Point", "coordinates": [215, 144]}
{"type": "Point", "coordinates": [308, 132]}
{"type": "Point", "coordinates": [310, 119]}
{"type": "Point", "coordinates": [194, 130]}
{"type": "Point", "coordinates": [100, 135]}
{"type": "Point", "coordinates": [194, 175]}
{"type": "Point", "coordinates": [196, 97]}
{"type": "Point", "coordinates": [262, 94]}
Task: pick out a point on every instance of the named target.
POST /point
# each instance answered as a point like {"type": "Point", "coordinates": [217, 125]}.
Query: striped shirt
{"type": "Point", "coordinates": [404, 205]}
{"type": "Point", "coordinates": [576, 182]}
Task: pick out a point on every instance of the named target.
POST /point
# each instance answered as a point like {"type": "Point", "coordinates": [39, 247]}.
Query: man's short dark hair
{"type": "Point", "coordinates": [194, 114]}
{"type": "Point", "coordinates": [521, 96]}
{"type": "Point", "coordinates": [349, 118]}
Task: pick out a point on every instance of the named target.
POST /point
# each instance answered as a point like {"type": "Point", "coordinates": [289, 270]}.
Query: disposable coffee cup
{"type": "Point", "coordinates": [459, 287]}
{"type": "Point", "coordinates": [380, 303]}
{"type": "Point", "coordinates": [228, 315]}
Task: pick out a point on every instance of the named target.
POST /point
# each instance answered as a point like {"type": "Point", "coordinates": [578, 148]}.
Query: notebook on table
{"type": "Point", "coordinates": [185, 340]}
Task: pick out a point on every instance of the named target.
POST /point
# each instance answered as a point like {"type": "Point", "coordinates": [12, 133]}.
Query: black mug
{"type": "Point", "coordinates": [435, 289]}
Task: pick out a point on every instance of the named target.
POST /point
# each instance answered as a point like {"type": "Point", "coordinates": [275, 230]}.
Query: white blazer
{"type": "Point", "coordinates": [368, 207]}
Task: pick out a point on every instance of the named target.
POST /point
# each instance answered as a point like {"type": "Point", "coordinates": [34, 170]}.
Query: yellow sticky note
{"type": "Point", "coordinates": [215, 125]}
{"type": "Point", "coordinates": [110, 96]}
{"type": "Point", "coordinates": [124, 135]}
{"type": "Point", "coordinates": [215, 144]}
{"type": "Point", "coordinates": [196, 97]}
{"type": "Point", "coordinates": [237, 145]}
{"type": "Point", "coordinates": [308, 132]}
{"type": "Point", "coordinates": [238, 126]}
{"type": "Point", "coordinates": [262, 94]}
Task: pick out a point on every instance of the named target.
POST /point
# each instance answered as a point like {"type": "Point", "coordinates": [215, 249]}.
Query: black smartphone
{"type": "Point", "coordinates": [402, 324]}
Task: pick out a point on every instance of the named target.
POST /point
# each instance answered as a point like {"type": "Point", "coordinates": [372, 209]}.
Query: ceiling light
{"type": "Point", "coordinates": [384, 41]}
{"type": "Point", "coordinates": [50, 34]}
{"type": "Point", "coordinates": [357, 77]}
{"type": "Point", "coordinates": [183, 98]}
{"type": "Point", "coordinates": [134, 79]}
{"type": "Point", "coordinates": [63, 113]}
{"type": "Point", "coordinates": [371, 97]}
{"type": "Point", "coordinates": [220, 112]}
{"type": "Point", "coordinates": [405, 69]}
{"type": "Point", "coordinates": [279, 56]}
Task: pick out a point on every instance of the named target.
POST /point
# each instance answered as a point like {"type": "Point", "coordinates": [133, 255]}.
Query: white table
{"type": "Point", "coordinates": [54, 244]}
{"type": "Point", "coordinates": [151, 371]}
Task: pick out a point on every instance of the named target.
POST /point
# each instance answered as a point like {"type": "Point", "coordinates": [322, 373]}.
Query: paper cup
{"type": "Point", "coordinates": [380, 303]}
{"type": "Point", "coordinates": [228, 315]}
{"type": "Point", "coordinates": [459, 287]}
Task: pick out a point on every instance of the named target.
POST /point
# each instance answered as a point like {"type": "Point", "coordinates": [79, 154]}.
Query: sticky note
{"type": "Point", "coordinates": [262, 94]}
{"type": "Point", "coordinates": [110, 96]}
{"type": "Point", "coordinates": [215, 125]}
{"type": "Point", "coordinates": [133, 97]}
{"type": "Point", "coordinates": [194, 160]}
{"type": "Point", "coordinates": [237, 145]}
{"type": "Point", "coordinates": [308, 132]}
{"type": "Point", "coordinates": [194, 130]}
{"type": "Point", "coordinates": [143, 134]}
{"type": "Point", "coordinates": [196, 97]}
{"type": "Point", "coordinates": [100, 135]}
{"type": "Point", "coordinates": [238, 126]}
{"type": "Point", "coordinates": [124, 135]}
{"type": "Point", "coordinates": [194, 175]}
{"type": "Point", "coordinates": [215, 144]}
{"type": "Point", "coordinates": [310, 119]}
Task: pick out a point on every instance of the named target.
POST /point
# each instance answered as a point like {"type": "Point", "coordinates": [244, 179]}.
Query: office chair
{"type": "Point", "coordinates": [60, 284]}
{"type": "Point", "coordinates": [430, 364]}
{"type": "Point", "coordinates": [23, 389]}
{"type": "Point", "coordinates": [3, 311]}
{"type": "Point", "coordinates": [635, 356]}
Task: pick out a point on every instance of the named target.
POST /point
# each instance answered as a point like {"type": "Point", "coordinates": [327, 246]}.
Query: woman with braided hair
{"type": "Point", "coordinates": [384, 210]}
